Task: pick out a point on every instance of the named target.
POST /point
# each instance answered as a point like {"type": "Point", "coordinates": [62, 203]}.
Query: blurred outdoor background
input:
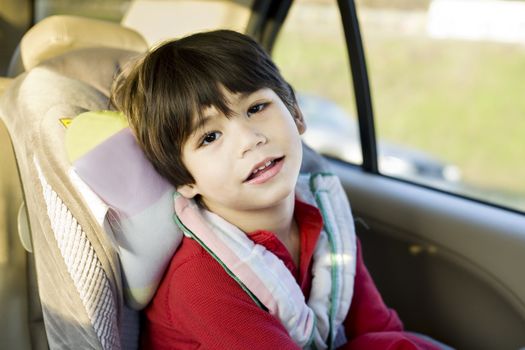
{"type": "Point", "coordinates": [446, 83]}
{"type": "Point", "coordinates": [446, 78]}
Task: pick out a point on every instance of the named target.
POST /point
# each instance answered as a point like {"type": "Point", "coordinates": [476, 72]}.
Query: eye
{"type": "Point", "coordinates": [257, 108]}
{"type": "Point", "coordinates": [210, 137]}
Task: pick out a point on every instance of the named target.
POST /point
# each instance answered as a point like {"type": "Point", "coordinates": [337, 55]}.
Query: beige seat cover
{"type": "Point", "coordinates": [77, 268]}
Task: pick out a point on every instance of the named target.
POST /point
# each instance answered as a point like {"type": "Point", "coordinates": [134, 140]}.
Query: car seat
{"type": "Point", "coordinates": [77, 270]}
{"type": "Point", "coordinates": [65, 66]}
{"type": "Point", "coordinates": [13, 265]}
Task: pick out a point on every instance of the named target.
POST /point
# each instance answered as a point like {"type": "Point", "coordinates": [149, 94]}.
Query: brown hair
{"type": "Point", "coordinates": [170, 86]}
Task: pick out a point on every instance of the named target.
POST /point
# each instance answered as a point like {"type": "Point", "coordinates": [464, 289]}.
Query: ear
{"type": "Point", "coordinates": [299, 119]}
{"type": "Point", "coordinates": [188, 191]}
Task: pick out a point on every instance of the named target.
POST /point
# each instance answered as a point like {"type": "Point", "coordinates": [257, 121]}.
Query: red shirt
{"type": "Point", "coordinates": [199, 306]}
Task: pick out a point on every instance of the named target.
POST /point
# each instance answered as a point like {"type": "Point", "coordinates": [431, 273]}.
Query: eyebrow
{"type": "Point", "coordinates": [202, 122]}
{"type": "Point", "coordinates": [205, 119]}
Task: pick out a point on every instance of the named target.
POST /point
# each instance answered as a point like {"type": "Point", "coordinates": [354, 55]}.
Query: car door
{"type": "Point", "coordinates": [441, 225]}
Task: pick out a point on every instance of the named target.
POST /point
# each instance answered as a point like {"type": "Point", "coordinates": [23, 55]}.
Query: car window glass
{"type": "Point", "coordinates": [156, 20]}
{"type": "Point", "coordinates": [109, 10]}
{"type": "Point", "coordinates": [15, 19]}
{"type": "Point", "coordinates": [311, 53]}
{"type": "Point", "coordinates": [447, 83]}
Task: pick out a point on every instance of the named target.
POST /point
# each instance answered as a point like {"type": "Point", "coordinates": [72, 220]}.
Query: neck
{"type": "Point", "coordinates": [277, 219]}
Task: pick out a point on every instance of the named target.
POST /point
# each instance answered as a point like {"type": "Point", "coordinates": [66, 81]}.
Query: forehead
{"type": "Point", "coordinates": [227, 100]}
{"type": "Point", "coordinates": [228, 97]}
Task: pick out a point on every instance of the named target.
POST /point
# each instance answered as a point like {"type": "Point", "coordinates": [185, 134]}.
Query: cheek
{"type": "Point", "coordinates": [291, 131]}
{"type": "Point", "coordinates": [210, 173]}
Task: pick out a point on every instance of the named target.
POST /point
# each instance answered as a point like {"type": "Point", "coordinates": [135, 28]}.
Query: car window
{"type": "Point", "coordinates": [15, 19]}
{"type": "Point", "coordinates": [109, 10]}
{"type": "Point", "coordinates": [311, 53]}
{"type": "Point", "coordinates": [447, 83]}
{"type": "Point", "coordinates": [157, 20]}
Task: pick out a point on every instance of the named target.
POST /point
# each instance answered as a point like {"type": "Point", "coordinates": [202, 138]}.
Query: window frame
{"type": "Point", "coordinates": [363, 97]}
{"type": "Point", "coordinates": [266, 35]}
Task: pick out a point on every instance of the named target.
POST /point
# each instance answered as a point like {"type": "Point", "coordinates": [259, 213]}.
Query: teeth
{"type": "Point", "coordinates": [267, 164]}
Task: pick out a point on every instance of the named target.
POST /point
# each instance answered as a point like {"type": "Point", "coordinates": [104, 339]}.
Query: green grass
{"type": "Point", "coordinates": [303, 61]}
{"type": "Point", "coordinates": [466, 108]}
{"type": "Point", "coordinates": [460, 101]}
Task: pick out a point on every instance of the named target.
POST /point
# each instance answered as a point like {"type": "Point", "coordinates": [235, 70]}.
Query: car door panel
{"type": "Point", "coordinates": [448, 265]}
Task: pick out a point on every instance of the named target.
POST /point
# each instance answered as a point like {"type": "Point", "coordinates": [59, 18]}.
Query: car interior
{"type": "Point", "coordinates": [450, 266]}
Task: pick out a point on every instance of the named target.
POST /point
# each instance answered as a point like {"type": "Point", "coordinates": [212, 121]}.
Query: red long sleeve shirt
{"type": "Point", "coordinates": [199, 306]}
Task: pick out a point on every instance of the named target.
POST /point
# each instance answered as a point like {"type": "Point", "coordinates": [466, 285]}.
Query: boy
{"type": "Point", "coordinates": [213, 114]}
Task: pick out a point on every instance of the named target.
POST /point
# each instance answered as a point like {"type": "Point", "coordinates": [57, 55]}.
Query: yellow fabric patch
{"type": "Point", "coordinates": [66, 121]}
{"type": "Point", "coordinates": [90, 129]}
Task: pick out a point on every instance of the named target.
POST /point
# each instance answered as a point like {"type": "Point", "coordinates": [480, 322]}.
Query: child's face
{"type": "Point", "coordinates": [224, 155]}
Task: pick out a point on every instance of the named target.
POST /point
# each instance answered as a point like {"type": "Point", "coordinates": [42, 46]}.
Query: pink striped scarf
{"type": "Point", "coordinates": [316, 323]}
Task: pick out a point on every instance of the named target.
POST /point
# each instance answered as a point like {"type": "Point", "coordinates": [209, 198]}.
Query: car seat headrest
{"type": "Point", "coordinates": [56, 35]}
{"type": "Point", "coordinates": [97, 66]}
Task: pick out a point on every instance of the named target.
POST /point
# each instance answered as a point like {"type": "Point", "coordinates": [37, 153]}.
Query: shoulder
{"type": "Point", "coordinates": [187, 251]}
{"type": "Point", "coordinates": [190, 263]}
{"type": "Point", "coordinates": [194, 275]}
{"type": "Point", "coordinates": [193, 280]}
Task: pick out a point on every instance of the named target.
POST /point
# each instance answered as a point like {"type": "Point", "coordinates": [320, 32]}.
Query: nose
{"type": "Point", "coordinates": [248, 136]}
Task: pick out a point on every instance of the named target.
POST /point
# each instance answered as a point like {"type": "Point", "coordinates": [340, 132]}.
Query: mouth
{"type": "Point", "coordinates": [264, 170]}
